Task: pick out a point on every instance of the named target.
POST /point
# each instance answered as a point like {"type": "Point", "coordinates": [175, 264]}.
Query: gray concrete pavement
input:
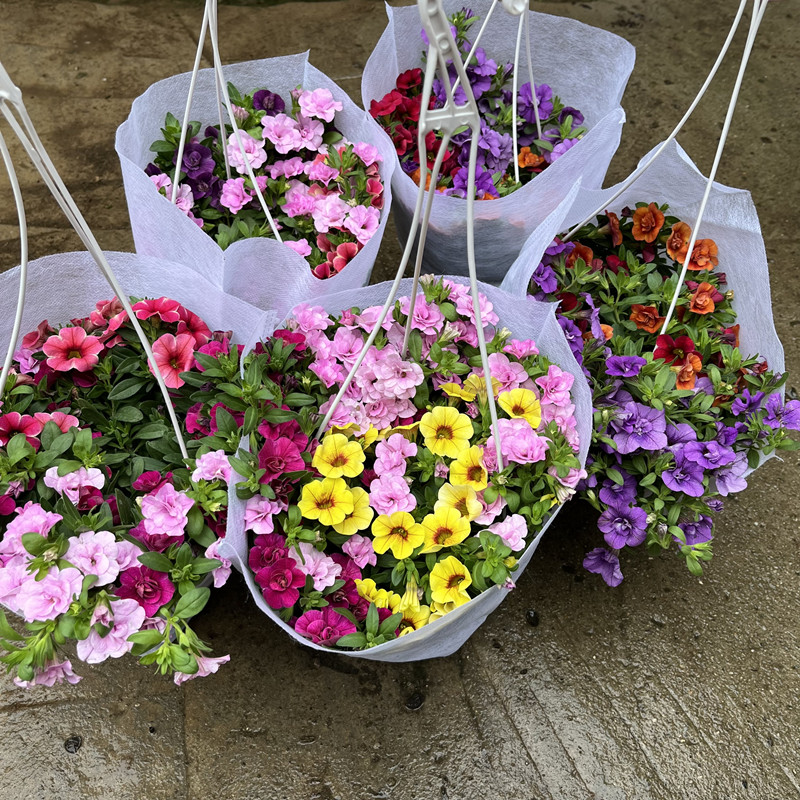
{"type": "Point", "coordinates": [665, 688]}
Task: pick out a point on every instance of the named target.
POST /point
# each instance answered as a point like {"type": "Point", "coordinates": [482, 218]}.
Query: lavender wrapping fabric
{"type": "Point", "coordinates": [262, 271]}
{"type": "Point", "coordinates": [730, 219]}
{"type": "Point", "coordinates": [527, 319]}
{"type": "Point", "coordinates": [586, 67]}
{"type": "Point", "coordinates": [81, 285]}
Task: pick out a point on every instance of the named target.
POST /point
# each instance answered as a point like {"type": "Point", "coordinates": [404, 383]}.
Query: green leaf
{"type": "Point", "coordinates": [126, 388]}
{"type": "Point", "coordinates": [615, 476]}
{"type": "Point", "coordinates": [354, 640]}
{"type": "Point", "coordinates": [157, 561]}
{"type": "Point", "coordinates": [6, 631]}
{"type": "Point", "coordinates": [200, 566]}
{"type": "Point", "coordinates": [372, 619]}
{"type": "Point", "coordinates": [389, 625]}
{"type": "Point", "coordinates": [35, 543]}
{"type": "Point", "coordinates": [192, 603]}
{"type": "Point", "coordinates": [128, 414]}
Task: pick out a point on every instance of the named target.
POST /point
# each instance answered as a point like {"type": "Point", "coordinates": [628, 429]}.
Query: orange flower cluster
{"type": "Point", "coordinates": [580, 251]}
{"type": "Point", "coordinates": [646, 318]}
{"type": "Point", "coordinates": [529, 160]}
{"type": "Point", "coordinates": [647, 223]}
{"type": "Point", "coordinates": [703, 299]}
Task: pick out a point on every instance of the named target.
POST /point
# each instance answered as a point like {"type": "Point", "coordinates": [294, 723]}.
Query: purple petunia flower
{"type": "Point", "coordinates": [484, 185]}
{"type": "Point", "coordinates": [197, 160]}
{"type": "Point", "coordinates": [680, 433]}
{"type": "Point", "coordinates": [481, 73]}
{"type": "Point", "coordinates": [568, 111]}
{"type": "Point", "coordinates": [268, 102]}
{"type": "Point", "coordinates": [560, 149]}
{"type": "Point", "coordinates": [715, 505]}
{"type": "Point", "coordinates": [623, 526]}
{"type": "Point", "coordinates": [709, 455]}
{"type": "Point", "coordinates": [730, 479]}
{"type": "Point", "coordinates": [782, 416]}
{"type": "Point", "coordinates": [545, 278]}
{"type": "Point", "coordinates": [605, 563]}
{"type": "Point", "coordinates": [686, 476]}
{"type": "Point", "coordinates": [746, 403]}
{"type": "Point", "coordinates": [698, 531]}
{"type": "Point", "coordinates": [625, 366]}
{"type": "Point", "coordinates": [544, 100]}
{"type": "Point", "coordinates": [640, 428]}
{"type": "Point", "coordinates": [574, 337]}
{"type": "Point", "coordinates": [613, 494]}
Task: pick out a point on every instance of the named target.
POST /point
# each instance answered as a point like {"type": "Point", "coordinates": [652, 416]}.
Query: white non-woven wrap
{"type": "Point", "coordinates": [527, 319]}
{"type": "Point", "coordinates": [730, 220]}
{"type": "Point", "coordinates": [592, 82]}
{"type": "Point", "coordinates": [67, 285]}
{"type": "Point", "coordinates": [262, 271]}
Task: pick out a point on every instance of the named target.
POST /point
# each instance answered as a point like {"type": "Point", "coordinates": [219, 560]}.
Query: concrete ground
{"type": "Point", "coordinates": [667, 688]}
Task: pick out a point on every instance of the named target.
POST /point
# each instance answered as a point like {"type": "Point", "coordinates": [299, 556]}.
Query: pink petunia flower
{"type": "Point", "coordinates": [323, 569]}
{"type": "Point", "coordinates": [254, 151]}
{"type": "Point", "coordinates": [390, 493]}
{"type": "Point", "coordinates": [193, 325]}
{"type": "Point", "coordinates": [555, 386]}
{"type": "Point", "coordinates": [164, 308]}
{"type": "Point", "coordinates": [512, 530]}
{"type": "Point", "coordinates": [72, 348]}
{"type": "Point", "coordinates": [13, 423]}
{"type": "Point", "coordinates": [301, 247]}
{"type": "Point", "coordinates": [52, 673]}
{"type": "Point", "coordinates": [329, 212]}
{"type": "Point", "coordinates": [360, 549]}
{"type": "Point", "coordinates": [70, 485]}
{"type": "Point", "coordinates": [64, 421]}
{"type": "Point", "coordinates": [173, 354]}
{"type": "Point", "coordinates": [362, 222]}
{"type": "Point", "coordinates": [95, 554]}
{"type": "Point", "coordinates": [49, 597]}
{"type": "Point", "coordinates": [123, 618]}
{"type": "Point", "coordinates": [165, 512]}
{"type": "Point", "coordinates": [287, 168]}
{"type": "Point", "coordinates": [319, 103]}
{"type": "Point", "coordinates": [150, 589]}
{"type": "Point", "coordinates": [222, 572]}
{"type": "Point", "coordinates": [205, 666]}
{"type": "Point", "coordinates": [234, 195]}
{"type": "Point", "coordinates": [283, 132]}
{"type": "Point", "coordinates": [324, 626]}
{"type": "Point", "coordinates": [212, 466]}
{"type": "Point", "coordinates": [310, 132]}
{"type": "Point", "coordinates": [367, 152]}
{"type": "Point", "coordinates": [521, 348]}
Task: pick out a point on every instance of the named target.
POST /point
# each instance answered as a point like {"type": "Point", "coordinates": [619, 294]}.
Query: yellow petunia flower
{"type": "Point", "coordinates": [380, 597]}
{"type": "Point", "coordinates": [337, 457]}
{"type": "Point", "coordinates": [469, 470]}
{"type": "Point", "coordinates": [414, 620]}
{"type": "Point", "coordinates": [328, 500]}
{"type": "Point", "coordinates": [450, 580]}
{"type": "Point", "coordinates": [360, 517]}
{"type": "Point", "coordinates": [444, 528]}
{"type": "Point", "coordinates": [521, 404]}
{"type": "Point", "coordinates": [462, 498]}
{"type": "Point", "coordinates": [397, 532]}
{"type": "Point", "coordinates": [454, 390]}
{"type": "Point", "coordinates": [410, 597]}
{"type": "Point", "coordinates": [446, 431]}
{"type": "Point", "coordinates": [477, 385]}
{"type": "Point", "coordinates": [438, 610]}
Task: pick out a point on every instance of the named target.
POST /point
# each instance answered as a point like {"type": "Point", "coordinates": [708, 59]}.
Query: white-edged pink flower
{"type": "Point", "coordinates": [360, 549]}
{"type": "Point", "coordinates": [323, 569]}
{"type": "Point", "coordinates": [254, 152]}
{"type": "Point", "coordinates": [125, 617]}
{"type": "Point", "coordinates": [165, 511]}
{"type": "Point", "coordinates": [95, 554]}
{"type": "Point", "coordinates": [212, 466]}
{"type": "Point", "coordinates": [319, 103]}
{"type": "Point", "coordinates": [512, 530]}
{"type": "Point", "coordinates": [70, 485]}
{"type": "Point", "coordinates": [49, 597]}
{"type": "Point", "coordinates": [52, 673]}
{"type": "Point", "coordinates": [390, 493]}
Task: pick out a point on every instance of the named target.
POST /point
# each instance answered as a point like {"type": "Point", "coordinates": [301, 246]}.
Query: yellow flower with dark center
{"type": "Point", "coordinates": [444, 528]}
{"type": "Point", "coordinates": [397, 532]}
{"type": "Point", "coordinates": [469, 470]}
{"type": "Point", "coordinates": [414, 620]}
{"type": "Point", "coordinates": [360, 517]}
{"type": "Point", "coordinates": [380, 597]}
{"type": "Point", "coordinates": [446, 431]}
{"type": "Point", "coordinates": [462, 498]}
{"type": "Point", "coordinates": [328, 500]}
{"type": "Point", "coordinates": [450, 580]}
{"type": "Point", "coordinates": [438, 610]}
{"type": "Point", "coordinates": [521, 404]}
{"type": "Point", "coordinates": [338, 457]}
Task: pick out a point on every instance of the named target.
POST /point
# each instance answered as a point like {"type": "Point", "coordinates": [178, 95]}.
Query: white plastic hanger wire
{"type": "Point", "coordinates": [449, 118]}
{"type": "Point", "coordinates": [11, 98]}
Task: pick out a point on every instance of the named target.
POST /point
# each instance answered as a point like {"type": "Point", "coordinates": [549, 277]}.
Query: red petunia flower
{"type": "Point", "coordinates": [672, 350]}
{"type": "Point", "coordinates": [192, 324]}
{"type": "Point", "coordinates": [13, 423]}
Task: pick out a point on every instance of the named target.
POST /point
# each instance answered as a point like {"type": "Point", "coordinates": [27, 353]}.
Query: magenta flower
{"type": "Point", "coordinates": [165, 511]}
{"type": "Point", "coordinates": [165, 309]}
{"type": "Point", "coordinates": [324, 626]}
{"type": "Point", "coordinates": [279, 456]}
{"type": "Point", "coordinates": [150, 589]}
{"type": "Point", "coordinates": [280, 582]}
{"type": "Point", "coordinates": [150, 481]}
{"type": "Point", "coordinates": [72, 348]}
{"type": "Point", "coordinates": [14, 423]}
{"type": "Point", "coordinates": [173, 354]}
{"type": "Point", "coordinates": [266, 550]}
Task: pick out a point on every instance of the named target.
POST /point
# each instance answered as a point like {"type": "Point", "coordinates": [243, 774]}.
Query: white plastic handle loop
{"type": "Point", "coordinates": [447, 119]}
{"type": "Point", "coordinates": [11, 97]}
{"type": "Point", "coordinates": [639, 171]}
{"type": "Point", "coordinates": [210, 24]}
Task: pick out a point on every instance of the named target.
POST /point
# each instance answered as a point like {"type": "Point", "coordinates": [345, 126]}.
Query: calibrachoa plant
{"type": "Point", "coordinates": [324, 192]}
{"type": "Point", "coordinates": [107, 533]}
{"type": "Point", "coordinates": [399, 514]}
{"type": "Point", "coordinates": [562, 126]}
{"type": "Point", "coordinates": [679, 416]}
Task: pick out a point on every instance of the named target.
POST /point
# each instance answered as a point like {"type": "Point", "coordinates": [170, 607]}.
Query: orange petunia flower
{"type": "Point", "coordinates": [704, 255]}
{"type": "Point", "coordinates": [646, 318]}
{"type": "Point", "coordinates": [608, 331]}
{"type": "Point", "coordinates": [702, 300]}
{"type": "Point", "coordinates": [687, 371]}
{"type": "Point", "coordinates": [647, 223]}
{"type": "Point", "coordinates": [613, 224]}
{"type": "Point", "coordinates": [415, 176]}
{"type": "Point", "coordinates": [678, 242]}
{"type": "Point", "coordinates": [580, 251]}
{"type": "Point", "coordinates": [529, 160]}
